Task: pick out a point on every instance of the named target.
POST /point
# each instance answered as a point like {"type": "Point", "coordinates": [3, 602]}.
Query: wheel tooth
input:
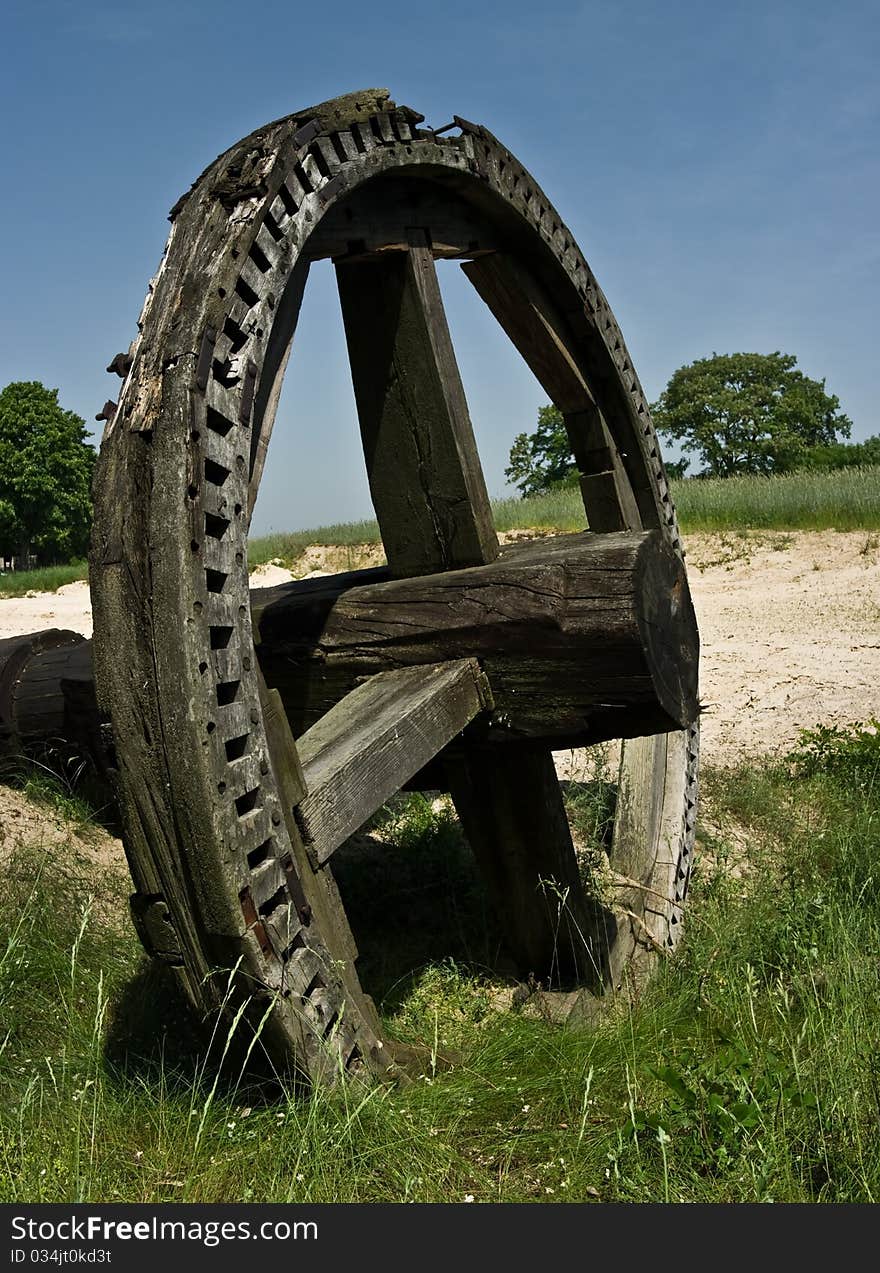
{"type": "Point", "coordinates": [121, 364]}
{"type": "Point", "coordinates": [108, 411]}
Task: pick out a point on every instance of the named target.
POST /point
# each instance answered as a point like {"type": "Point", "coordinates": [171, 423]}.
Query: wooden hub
{"type": "Point", "coordinates": [252, 735]}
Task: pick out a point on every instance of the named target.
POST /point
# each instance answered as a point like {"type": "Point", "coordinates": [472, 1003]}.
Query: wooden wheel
{"type": "Point", "coordinates": [229, 822]}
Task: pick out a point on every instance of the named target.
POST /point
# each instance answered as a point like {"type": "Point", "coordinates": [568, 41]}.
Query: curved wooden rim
{"type": "Point", "coordinates": [207, 766]}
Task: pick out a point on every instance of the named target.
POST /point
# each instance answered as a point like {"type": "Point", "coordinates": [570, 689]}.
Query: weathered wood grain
{"type": "Point", "coordinates": [583, 637]}
{"type": "Point", "coordinates": [540, 334]}
{"type": "Point", "coordinates": [373, 741]}
{"type": "Point", "coordinates": [425, 478]}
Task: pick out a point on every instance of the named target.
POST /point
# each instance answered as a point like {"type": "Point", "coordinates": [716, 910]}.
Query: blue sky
{"type": "Point", "coordinates": [719, 165]}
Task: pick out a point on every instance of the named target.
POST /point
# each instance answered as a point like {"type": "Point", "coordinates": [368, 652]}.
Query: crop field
{"type": "Point", "coordinates": [848, 499]}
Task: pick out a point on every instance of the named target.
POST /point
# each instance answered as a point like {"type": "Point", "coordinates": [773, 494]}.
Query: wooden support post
{"type": "Point", "coordinates": [538, 332]}
{"type": "Point", "coordinates": [425, 477]}
{"type": "Point", "coordinates": [513, 816]}
{"type": "Point", "coordinates": [433, 511]}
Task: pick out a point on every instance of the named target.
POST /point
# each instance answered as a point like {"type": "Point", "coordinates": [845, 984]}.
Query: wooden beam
{"type": "Point", "coordinates": [512, 813]}
{"type": "Point", "coordinates": [375, 739]}
{"type": "Point", "coordinates": [540, 334]}
{"type": "Point", "coordinates": [583, 637]}
{"type": "Point", "coordinates": [428, 488]}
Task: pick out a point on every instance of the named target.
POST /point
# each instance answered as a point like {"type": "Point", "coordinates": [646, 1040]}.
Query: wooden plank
{"type": "Point", "coordinates": [540, 334]}
{"type": "Point", "coordinates": [372, 742]}
{"type": "Point", "coordinates": [425, 477]}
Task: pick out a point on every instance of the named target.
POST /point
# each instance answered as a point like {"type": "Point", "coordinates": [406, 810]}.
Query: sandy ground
{"type": "Point", "coordinates": [789, 627]}
{"type": "Point", "coordinates": [790, 636]}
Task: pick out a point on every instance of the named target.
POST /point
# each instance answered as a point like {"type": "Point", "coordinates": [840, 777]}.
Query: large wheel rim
{"type": "Point", "coordinates": [221, 878]}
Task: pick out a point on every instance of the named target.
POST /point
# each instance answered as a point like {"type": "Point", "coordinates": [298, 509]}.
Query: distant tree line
{"type": "Point", "coordinates": [733, 413]}
{"type": "Point", "coordinates": [46, 467]}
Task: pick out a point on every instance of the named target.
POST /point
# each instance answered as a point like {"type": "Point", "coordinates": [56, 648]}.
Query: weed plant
{"type": "Point", "coordinates": [748, 1070]}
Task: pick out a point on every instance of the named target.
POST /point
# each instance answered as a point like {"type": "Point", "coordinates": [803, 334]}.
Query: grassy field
{"type": "Point", "coordinates": [750, 1070]}
{"type": "Point", "coordinates": [18, 582]}
{"type": "Point", "coordinates": [848, 499]}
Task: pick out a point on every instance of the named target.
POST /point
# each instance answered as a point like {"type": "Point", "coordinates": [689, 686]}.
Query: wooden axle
{"type": "Point", "coordinates": [582, 637]}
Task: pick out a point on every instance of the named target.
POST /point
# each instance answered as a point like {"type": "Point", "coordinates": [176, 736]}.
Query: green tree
{"type": "Point", "coordinates": [844, 455]}
{"type": "Point", "coordinates": [46, 468]}
{"type": "Point", "coordinates": [542, 459]}
{"type": "Point", "coordinates": [748, 413]}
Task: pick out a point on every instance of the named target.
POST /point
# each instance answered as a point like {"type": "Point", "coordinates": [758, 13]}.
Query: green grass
{"type": "Point", "coordinates": [749, 1070]}
{"type": "Point", "coordinates": [549, 510]}
{"type": "Point", "coordinates": [288, 546]}
{"type": "Point", "coordinates": [47, 579]}
{"type": "Point", "coordinates": [848, 499]}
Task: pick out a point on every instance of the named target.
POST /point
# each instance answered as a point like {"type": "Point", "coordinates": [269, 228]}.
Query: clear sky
{"type": "Point", "coordinates": [718, 163]}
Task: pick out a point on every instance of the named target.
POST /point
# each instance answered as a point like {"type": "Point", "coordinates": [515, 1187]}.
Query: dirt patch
{"type": "Point", "coordinates": [316, 560]}
{"type": "Point", "coordinates": [70, 607]}
{"type": "Point", "coordinates": [26, 823]}
{"type": "Point", "coordinates": [790, 636]}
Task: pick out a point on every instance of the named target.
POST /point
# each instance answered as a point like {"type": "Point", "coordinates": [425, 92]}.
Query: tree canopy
{"type": "Point", "coordinates": [541, 459]}
{"type": "Point", "coordinates": [46, 468]}
{"type": "Point", "coordinates": [748, 413]}
{"type": "Point", "coordinates": [737, 413]}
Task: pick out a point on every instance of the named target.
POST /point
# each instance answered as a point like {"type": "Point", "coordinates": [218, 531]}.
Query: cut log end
{"type": "Point", "coordinates": [668, 630]}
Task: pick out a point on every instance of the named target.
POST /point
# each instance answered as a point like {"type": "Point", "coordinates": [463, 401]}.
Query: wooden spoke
{"type": "Point", "coordinates": [375, 739]}
{"type": "Point", "coordinates": [428, 488]}
{"type": "Point", "coordinates": [539, 333]}
{"type": "Point", "coordinates": [512, 813]}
